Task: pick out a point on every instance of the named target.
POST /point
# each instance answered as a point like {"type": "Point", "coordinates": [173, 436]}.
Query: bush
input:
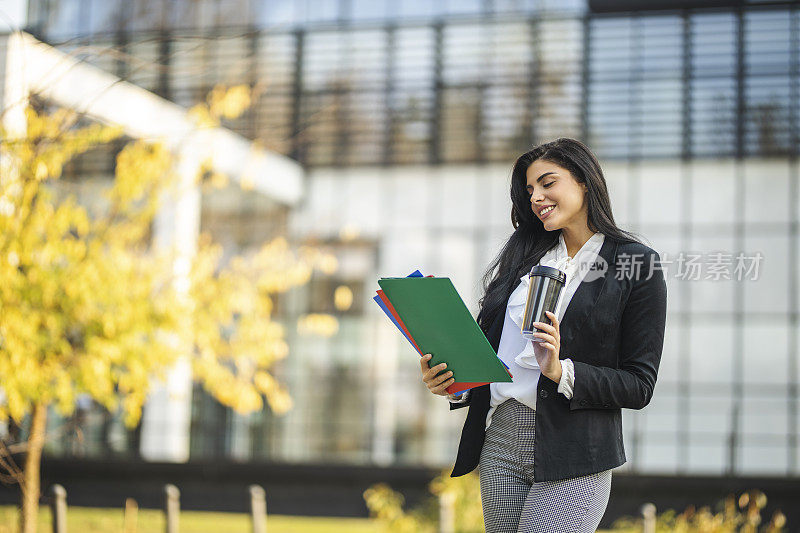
{"type": "Point", "coordinates": [386, 506]}
{"type": "Point", "coordinates": [729, 517]}
{"type": "Point", "coordinates": [742, 515]}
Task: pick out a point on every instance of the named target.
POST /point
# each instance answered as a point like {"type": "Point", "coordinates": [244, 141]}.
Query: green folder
{"type": "Point", "coordinates": [441, 325]}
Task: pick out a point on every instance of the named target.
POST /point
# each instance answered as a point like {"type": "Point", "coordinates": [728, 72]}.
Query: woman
{"type": "Point", "coordinates": [546, 443]}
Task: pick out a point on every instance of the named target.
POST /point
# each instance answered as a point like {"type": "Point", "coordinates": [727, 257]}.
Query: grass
{"type": "Point", "coordinates": [92, 520]}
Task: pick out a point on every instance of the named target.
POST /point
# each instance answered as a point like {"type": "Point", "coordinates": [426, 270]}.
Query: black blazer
{"type": "Point", "coordinates": [613, 330]}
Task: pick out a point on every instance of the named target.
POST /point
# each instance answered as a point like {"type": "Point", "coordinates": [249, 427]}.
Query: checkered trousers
{"type": "Point", "coordinates": [513, 502]}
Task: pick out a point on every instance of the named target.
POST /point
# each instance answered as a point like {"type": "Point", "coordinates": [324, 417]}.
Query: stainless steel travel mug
{"type": "Point", "coordinates": [545, 285]}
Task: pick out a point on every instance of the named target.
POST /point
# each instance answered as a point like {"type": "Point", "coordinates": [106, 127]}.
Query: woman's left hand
{"type": "Point", "coordinates": [547, 352]}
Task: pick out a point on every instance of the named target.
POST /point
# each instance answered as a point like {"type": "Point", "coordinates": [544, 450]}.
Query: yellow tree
{"type": "Point", "coordinates": [88, 306]}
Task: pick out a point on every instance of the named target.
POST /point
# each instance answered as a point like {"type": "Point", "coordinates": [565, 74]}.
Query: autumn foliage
{"type": "Point", "coordinates": [732, 515]}
{"type": "Point", "coordinates": [90, 307]}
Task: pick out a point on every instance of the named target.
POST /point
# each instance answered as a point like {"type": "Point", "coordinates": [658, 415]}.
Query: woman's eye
{"type": "Point", "coordinates": [546, 185]}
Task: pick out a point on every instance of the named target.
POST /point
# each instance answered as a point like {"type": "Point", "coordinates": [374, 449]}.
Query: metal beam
{"type": "Point", "coordinates": [105, 97]}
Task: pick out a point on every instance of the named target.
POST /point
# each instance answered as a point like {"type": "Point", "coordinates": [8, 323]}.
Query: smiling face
{"type": "Point", "coordinates": [551, 185]}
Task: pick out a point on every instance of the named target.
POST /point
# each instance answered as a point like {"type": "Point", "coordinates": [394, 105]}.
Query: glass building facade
{"type": "Point", "coordinates": [408, 116]}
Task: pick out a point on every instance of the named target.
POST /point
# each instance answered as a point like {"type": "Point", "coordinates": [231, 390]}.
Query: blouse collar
{"type": "Point", "coordinates": [594, 243]}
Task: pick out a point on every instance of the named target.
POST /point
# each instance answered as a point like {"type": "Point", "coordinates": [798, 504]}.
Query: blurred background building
{"type": "Point", "coordinates": [407, 116]}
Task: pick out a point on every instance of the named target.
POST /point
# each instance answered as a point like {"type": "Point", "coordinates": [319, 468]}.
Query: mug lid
{"type": "Point", "coordinates": [550, 272]}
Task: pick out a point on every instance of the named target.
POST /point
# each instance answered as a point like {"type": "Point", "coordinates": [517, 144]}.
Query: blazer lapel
{"type": "Point", "coordinates": [587, 294]}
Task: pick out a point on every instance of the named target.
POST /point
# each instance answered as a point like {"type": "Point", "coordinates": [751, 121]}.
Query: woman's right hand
{"type": "Point", "coordinates": [435, 383]}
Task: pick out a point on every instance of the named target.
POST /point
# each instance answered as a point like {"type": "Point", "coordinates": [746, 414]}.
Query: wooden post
{"type": "Point", "coordinates": [131, 515]}
{"type": "Point", "coordinates": [258, 509]}
{"type": "Point", "coordinates": [172, 507]}
{"type": "Point", "coordinates": [447, 512]}
{"type": "Point", "coordinates": [58, 508]}
{"type": "Point", "coordinates": [649, 518]}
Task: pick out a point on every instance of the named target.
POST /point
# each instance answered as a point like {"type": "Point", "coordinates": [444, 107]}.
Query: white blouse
{"type": "Point", "coordinates": [515, 350]}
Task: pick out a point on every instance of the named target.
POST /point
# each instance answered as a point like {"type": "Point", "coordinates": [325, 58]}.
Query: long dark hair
{"type": "Point", "coordinates": [530, 241]}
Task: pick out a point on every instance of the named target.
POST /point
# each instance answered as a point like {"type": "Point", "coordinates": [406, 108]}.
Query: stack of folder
{"type": "Point", "coordinates": [431, 315]}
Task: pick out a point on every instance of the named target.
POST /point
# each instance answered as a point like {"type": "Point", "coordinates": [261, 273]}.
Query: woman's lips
{"type": "Point", "coordinates": [547, 214]}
